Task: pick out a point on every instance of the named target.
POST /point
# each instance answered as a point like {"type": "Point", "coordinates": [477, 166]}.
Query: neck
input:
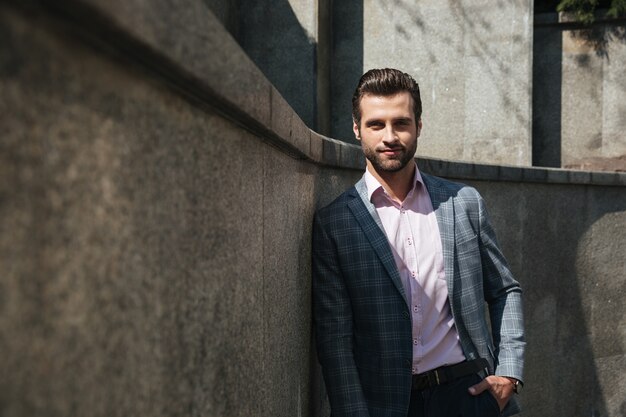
{"type": "Point", "coordinates": [396, 184]}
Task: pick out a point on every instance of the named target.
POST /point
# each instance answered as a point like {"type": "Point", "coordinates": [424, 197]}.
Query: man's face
{"type": "Point", "coordinates": [388, 131]}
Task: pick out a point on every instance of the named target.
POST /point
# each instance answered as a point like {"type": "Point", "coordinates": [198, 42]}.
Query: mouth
{"type": "Point", "coordinates": [390, 151]}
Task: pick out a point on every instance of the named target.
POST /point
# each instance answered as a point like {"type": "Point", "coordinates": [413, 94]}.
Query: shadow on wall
{"type": "Point", "coordinates": [346, 65]}
{"type": "Point", "coordinates": [490, 57]}
{"type": "Point", "coordinates": [570, 62]}
{"type": "Point", "coordinates": [598, 37]}
{"type": "Point", "coordinates": [602, 289]}
{"type": "Point", "coordinates": [272, 36]}
{"type": "Point", "coordinates": [468, 58]}
{"type": "Point", "coordinates": [547, 81]}
{"type": "Point", "coordinates": [570, 266]}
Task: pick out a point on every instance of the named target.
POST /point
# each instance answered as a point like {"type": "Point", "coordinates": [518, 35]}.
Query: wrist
{"type": "Point", "coordinates": [517, 384]}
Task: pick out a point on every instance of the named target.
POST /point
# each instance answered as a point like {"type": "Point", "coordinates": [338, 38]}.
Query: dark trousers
{"type": "Point", "coordinates": [453, 400]}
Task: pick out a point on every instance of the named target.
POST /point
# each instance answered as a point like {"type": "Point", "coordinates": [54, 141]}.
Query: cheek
{"type": "Point", "coordinates": [371, 140]}
{"type": "Point", "coordinates": [408, 137]}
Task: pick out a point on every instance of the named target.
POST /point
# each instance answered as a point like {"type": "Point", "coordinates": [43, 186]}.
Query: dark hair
{"type": "Point", "coordinates": [385, 82]}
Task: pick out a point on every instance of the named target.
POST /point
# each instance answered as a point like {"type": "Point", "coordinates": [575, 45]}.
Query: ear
{"type": "Point", "coordinates": [419, 126]}
{"type": "Point", "coordinates": [355, 129]}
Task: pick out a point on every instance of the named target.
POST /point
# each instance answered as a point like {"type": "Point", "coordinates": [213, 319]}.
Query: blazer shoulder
{"type": "Point", "coordinates": [455, 189]}
{"type": "Point", "coordinates": [338, 205]}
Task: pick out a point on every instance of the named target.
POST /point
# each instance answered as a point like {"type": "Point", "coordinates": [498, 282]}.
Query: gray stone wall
{"type": "Point", "coordinates": [147, 266]}
{"type": "Point", "coordinates": [480, 68]}
{"type": "Point", "coordinates": [580, 92]}
{"type": "Point", "coordinates": [280, 36]}
{"type": "Point", "coordinates": [156, 196]}
{"type": "Point", "coordinates": [473, 62]}
{"type": "Point", "coordinates": [565, 245]}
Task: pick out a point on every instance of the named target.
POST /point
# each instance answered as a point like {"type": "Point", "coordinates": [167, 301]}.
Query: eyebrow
{"type": "Point", "coordinates": [370, 122]}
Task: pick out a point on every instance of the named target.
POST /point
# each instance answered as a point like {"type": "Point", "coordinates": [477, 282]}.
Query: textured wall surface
{"type": "Point", "coordinates": [579, 103]}
{"type": "Point", "coordinates": [155, 211]}
{"type": "Point", "coordinates": [473, 62]}
{"type": "Point", "coordinates": [148, 266]}
{"type": "Point", "coordinates": [565, 244]}
{"type": "Point", "coordinates": [593, 99]}
{"type": "Point", "coordinates": [280, 37]}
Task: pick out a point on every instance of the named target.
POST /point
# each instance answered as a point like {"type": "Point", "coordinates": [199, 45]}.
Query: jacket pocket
{"type": "Point", "coordinates": [467, 245]}
{"type": "Point", "coordinates": [467, 255]}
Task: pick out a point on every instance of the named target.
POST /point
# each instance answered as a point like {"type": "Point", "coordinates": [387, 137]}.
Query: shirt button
{"type": "Point", "coordinates": [415, 342]}
{"type": "Point", "coordinates": [415, 309]}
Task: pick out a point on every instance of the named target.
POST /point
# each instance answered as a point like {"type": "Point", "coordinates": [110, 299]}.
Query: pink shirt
{"type": "Point", "coordinates": [413, 234]}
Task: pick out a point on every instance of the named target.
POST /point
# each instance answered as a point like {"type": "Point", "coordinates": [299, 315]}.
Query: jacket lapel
{"type": "Point", "coordinates": [443, 204]}
{"type": "Point", "coordinates": [367, 217]}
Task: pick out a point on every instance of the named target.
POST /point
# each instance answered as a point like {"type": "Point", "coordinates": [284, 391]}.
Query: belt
{"type": "Point", "coordinates": [446, 374]}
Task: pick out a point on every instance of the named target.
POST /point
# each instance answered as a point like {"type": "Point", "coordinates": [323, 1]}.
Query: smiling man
{"type": "Point", "coordinates": [403, 265]}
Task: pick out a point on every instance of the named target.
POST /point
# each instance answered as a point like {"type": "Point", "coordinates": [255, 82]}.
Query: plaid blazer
{"type": "Point", "coordinates": [362, 321]}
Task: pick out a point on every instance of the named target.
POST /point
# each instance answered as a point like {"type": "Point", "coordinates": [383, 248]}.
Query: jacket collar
{"type": "Point", "coordinates": [443, 205]}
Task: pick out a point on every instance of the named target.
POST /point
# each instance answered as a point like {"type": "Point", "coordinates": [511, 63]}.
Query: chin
{"type": "Point", "coordinates": [390, 166]}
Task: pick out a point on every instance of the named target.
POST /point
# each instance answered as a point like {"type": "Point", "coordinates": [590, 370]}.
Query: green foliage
{"type": "Point", "coordinates": [618, 8]}
{"type": "Point", "coordinates": [584, 9]}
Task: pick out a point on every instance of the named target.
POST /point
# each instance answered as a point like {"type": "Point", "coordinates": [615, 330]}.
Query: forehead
{"type": "Point", "coordinates": [397, 105]}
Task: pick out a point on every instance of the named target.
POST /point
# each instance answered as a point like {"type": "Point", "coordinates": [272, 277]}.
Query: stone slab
{"type": "Point", "coordinates": [473, 62]}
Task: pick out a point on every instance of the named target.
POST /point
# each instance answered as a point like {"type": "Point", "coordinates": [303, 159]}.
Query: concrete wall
{"type": "Point", "coordinates": [579, 102]}
{"type": "Point", "coordinates": [566, 244]}
{"type": "Point", "coordinates": [156, 196]}
{"type": "Point", "coordinates": [281, 37]}
{"type": "Point", "coordinates": [480, 68]}
{"type": "Point", "coordinates": [146, 268]}
{"type": "Point", "coordinates": [473, 62]}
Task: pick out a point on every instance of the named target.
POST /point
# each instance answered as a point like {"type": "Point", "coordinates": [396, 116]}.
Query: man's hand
{"type": "Point", "coordinates": [500, 387]}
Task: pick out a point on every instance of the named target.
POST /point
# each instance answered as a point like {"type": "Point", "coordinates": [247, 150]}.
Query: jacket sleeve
{"type": "Point", "coordinates": [504, 297]}
{"type": "Point", "coordinates": [332, 316]}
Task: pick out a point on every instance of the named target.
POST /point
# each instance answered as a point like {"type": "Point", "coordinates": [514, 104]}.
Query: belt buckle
{"type": "Point", "coordinates": [434, 372]}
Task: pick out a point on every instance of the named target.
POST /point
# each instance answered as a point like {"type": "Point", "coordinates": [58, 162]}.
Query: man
{"type": "Point", "coordinates": [403, 264]}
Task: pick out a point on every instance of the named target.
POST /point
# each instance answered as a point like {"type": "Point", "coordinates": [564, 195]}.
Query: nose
{"type": "Point", "coordinates": [389, 135]}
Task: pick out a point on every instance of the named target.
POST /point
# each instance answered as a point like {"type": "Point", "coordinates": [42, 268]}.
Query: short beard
{"type": "Point", "coordinates": [391, 165]}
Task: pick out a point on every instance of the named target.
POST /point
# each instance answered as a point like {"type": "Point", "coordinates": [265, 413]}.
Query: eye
{"type": "Point", "coordinates": [403, 124]}
{"type": "Point", "coordinates": [375, 125]}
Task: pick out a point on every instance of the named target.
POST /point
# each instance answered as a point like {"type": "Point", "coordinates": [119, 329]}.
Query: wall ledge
{"type": "Point", "coordinates": [190, 50]}
{"type": "Point", "coordinates": [485, 172]}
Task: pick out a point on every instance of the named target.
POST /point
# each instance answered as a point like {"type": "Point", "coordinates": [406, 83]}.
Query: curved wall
{"type": "Point", "coordinates": [156, 196]}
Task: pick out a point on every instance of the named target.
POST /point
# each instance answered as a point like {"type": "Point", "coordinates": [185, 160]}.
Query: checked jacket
{"type": "Point", "coordinates": [362, 320]}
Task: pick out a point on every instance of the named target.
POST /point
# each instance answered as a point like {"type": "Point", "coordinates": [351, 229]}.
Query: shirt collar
{"type": "Point", "coordinates": [374, 186]}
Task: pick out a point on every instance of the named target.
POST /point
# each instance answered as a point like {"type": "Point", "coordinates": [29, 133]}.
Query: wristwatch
{"type": "Point", "coordinates": [517, 385]}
